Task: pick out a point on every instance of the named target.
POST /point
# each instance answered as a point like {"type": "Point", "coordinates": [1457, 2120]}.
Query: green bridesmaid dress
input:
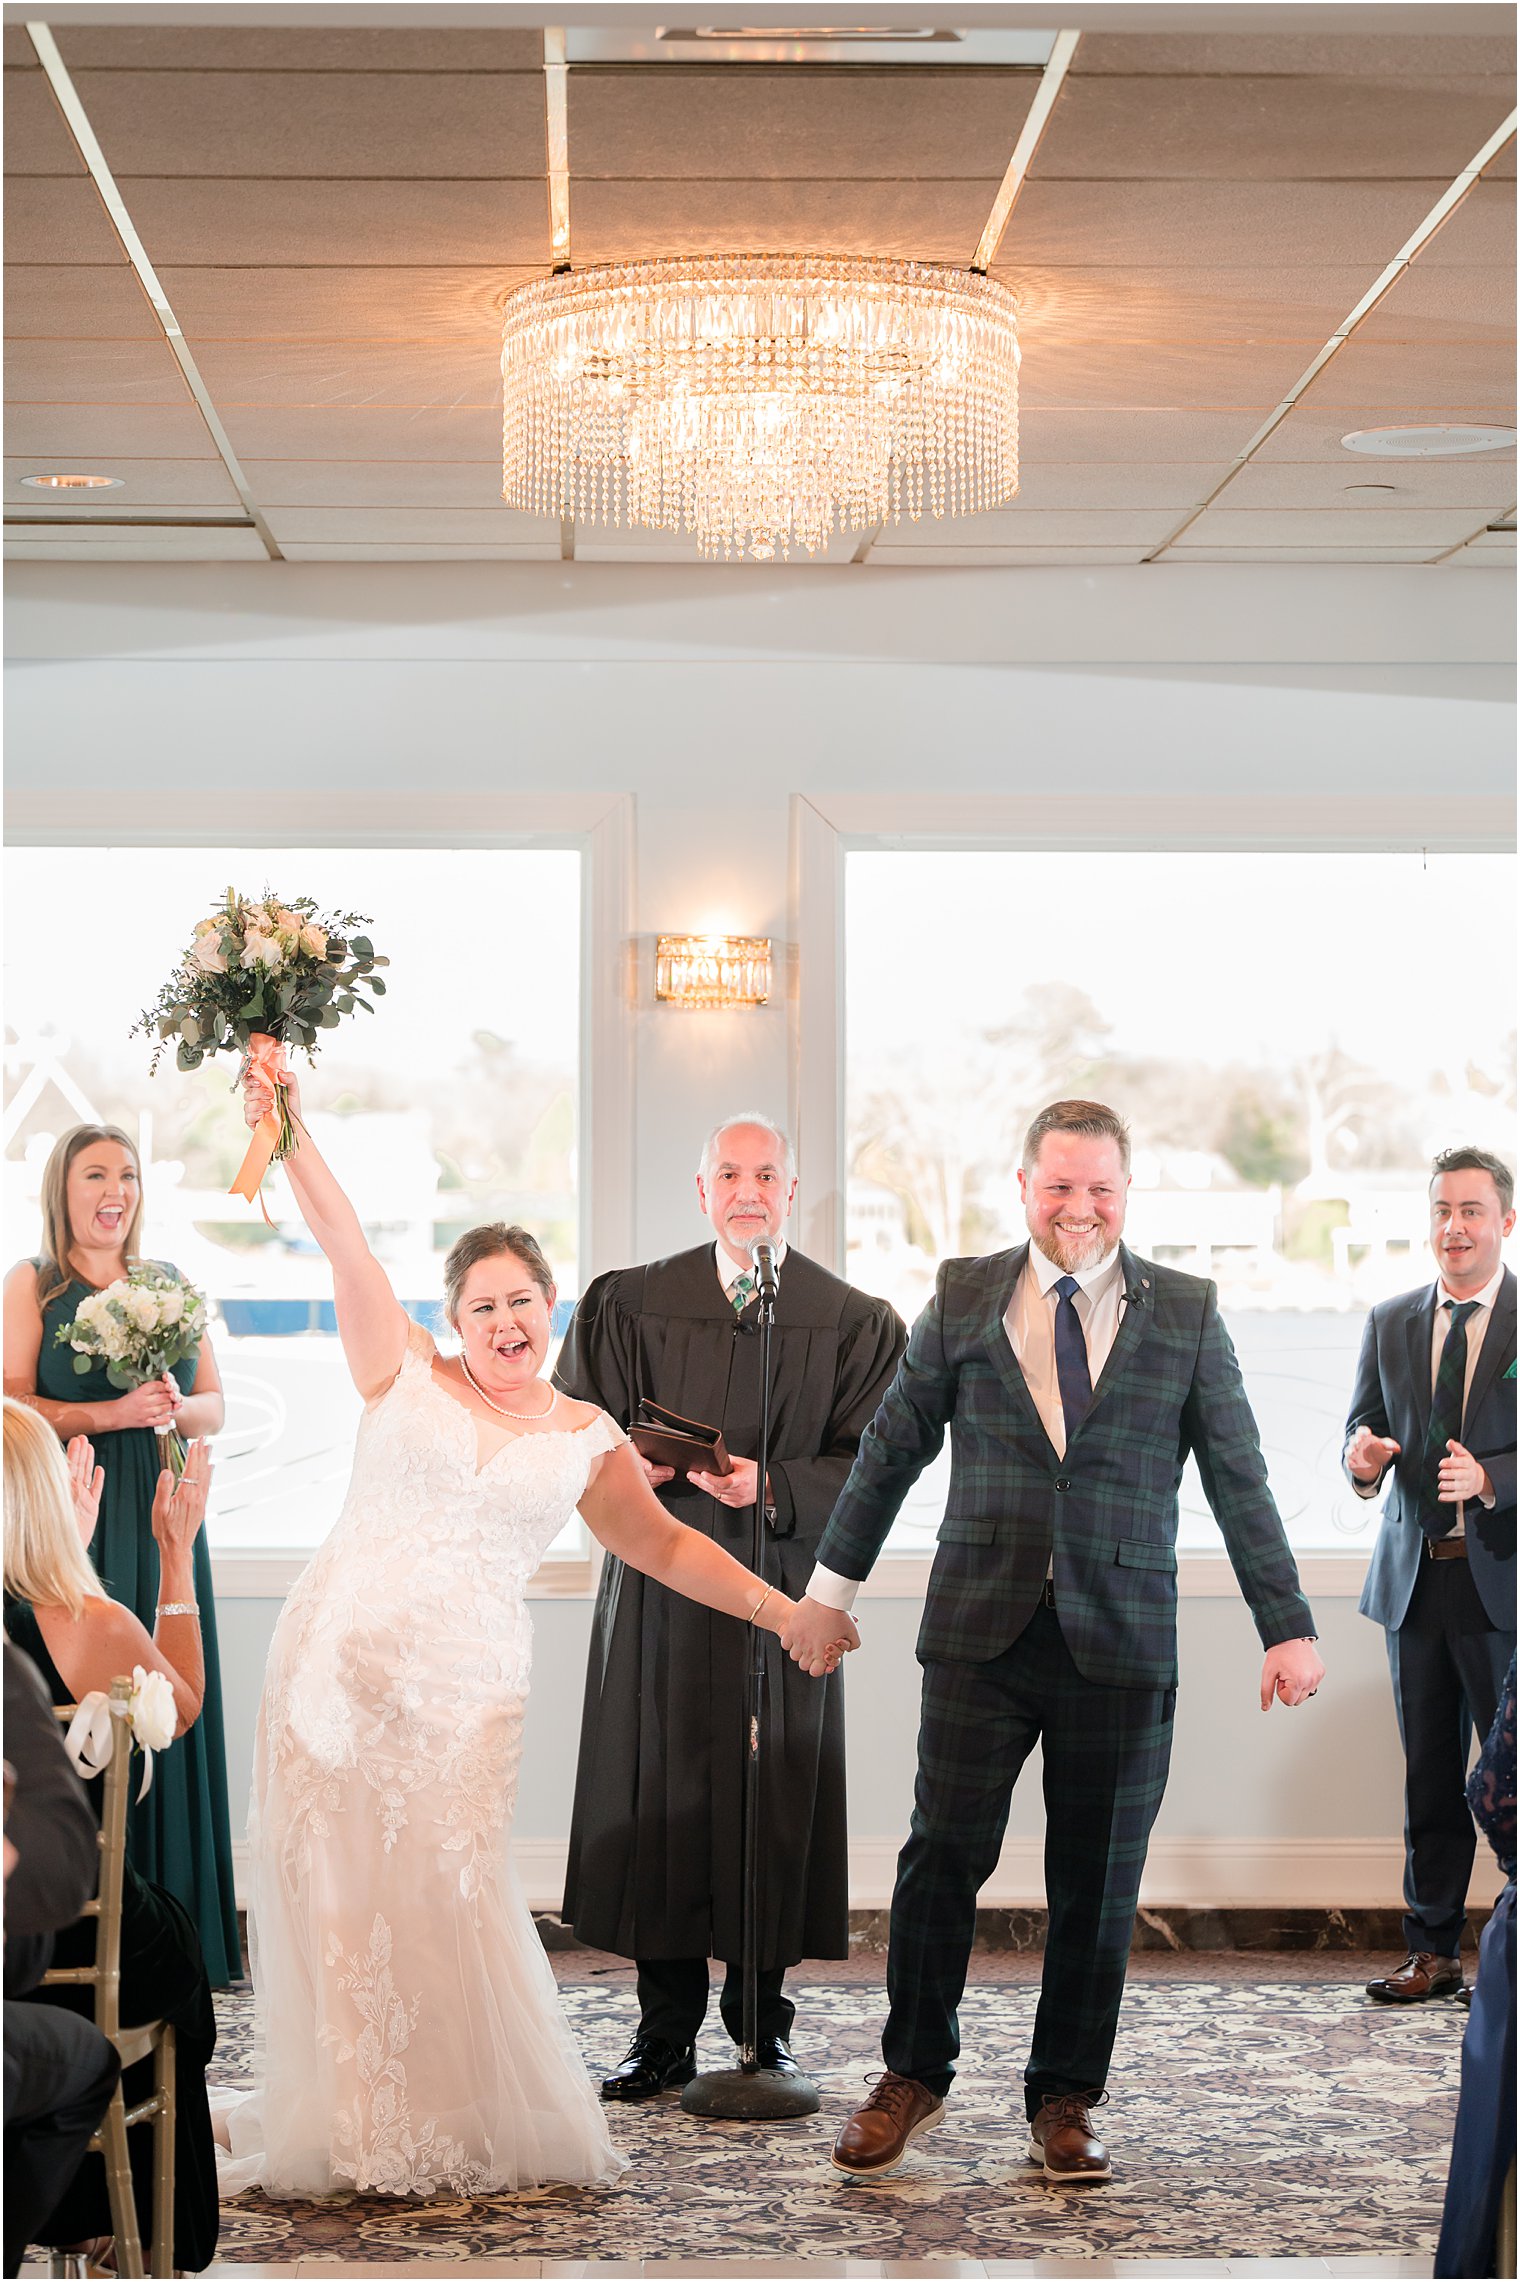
{"type": "Point", "coordinates": [180, 1835]}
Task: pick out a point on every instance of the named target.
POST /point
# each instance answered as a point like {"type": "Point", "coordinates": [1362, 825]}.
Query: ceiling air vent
{"type": "Point", "coordinates": [867, 43]}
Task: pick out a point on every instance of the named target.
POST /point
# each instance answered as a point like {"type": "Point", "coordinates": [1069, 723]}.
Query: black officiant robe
{"type": "Point", "coordinates": [654, 1864]}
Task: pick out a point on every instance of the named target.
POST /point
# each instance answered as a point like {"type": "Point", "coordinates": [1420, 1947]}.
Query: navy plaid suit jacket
{"type": "Point", "coordinates": [1105, 1514]}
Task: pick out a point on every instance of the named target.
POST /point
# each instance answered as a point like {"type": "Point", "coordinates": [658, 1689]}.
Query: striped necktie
{"type": "Point", "coordinates": [740, 1290]}
{"type": "Point", "coordinates": [1446, 1403]}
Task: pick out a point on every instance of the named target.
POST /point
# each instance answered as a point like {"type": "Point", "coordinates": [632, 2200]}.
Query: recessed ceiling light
{"type": "Point", "coordinates": [1438, 443]}
{"type": "Point", "coordinates": [74, 482]}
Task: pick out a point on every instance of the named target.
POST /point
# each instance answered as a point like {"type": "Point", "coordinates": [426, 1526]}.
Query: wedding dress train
{"type": "Point", "coordinates": [408, 2030]}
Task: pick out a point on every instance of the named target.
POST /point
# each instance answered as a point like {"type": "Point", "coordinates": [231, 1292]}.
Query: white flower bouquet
{"type": "Point", "coordinates": [260, 975]}
{"type": "Point", "coordinates": [139, 1327]}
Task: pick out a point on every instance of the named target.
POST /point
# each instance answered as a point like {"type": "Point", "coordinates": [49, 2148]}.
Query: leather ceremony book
{"type": "Point", "coordinates": [665, 1438]}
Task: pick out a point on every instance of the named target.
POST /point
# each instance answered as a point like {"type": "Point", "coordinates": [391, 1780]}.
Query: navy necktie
{"type": "Point", "coordinates": [1071, 1357]}
{"type": "Point", "coordinates": [1446, 1404]}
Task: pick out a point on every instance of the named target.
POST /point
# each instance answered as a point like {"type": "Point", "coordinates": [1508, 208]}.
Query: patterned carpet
{"type": "Point", "coordinates": [1261, 2107]}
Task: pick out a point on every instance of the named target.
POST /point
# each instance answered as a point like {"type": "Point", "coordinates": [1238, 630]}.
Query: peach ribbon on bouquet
{"type": "Point", "coordinates": [267, 1056]}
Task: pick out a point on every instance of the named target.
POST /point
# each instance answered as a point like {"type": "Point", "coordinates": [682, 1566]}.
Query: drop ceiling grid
{"type": "Point", "coordinates": [349, 341]}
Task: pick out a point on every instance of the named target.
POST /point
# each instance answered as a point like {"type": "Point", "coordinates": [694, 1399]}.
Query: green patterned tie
{"type": "Point", "coordinates": [1439, 1520]}
{"type": "Point", "coordinates": [739, 1292]}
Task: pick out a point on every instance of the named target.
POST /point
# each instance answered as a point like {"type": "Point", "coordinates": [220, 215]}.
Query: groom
{"type": "Point", "coordinates": [1074, 1379]}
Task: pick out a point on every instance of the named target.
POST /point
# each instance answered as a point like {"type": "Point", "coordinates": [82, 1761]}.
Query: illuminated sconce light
{"type": "Point", "coordinates": [712, 970]}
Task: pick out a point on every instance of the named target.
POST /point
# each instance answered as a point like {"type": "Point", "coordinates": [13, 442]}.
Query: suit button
{"type": "Point", "coordinates": [1062, 1482]}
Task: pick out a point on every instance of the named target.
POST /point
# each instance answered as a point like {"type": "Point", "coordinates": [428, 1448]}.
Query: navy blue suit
{"type": "Point", "coordinates": [1450, 1625]}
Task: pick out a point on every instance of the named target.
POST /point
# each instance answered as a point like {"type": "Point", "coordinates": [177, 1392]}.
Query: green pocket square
{"type": "Point", "coordinates": [1509, 1374]}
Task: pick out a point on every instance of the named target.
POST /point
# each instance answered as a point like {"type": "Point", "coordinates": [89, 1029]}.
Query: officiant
{"type": "Point", "coordinates": [656, 1832]}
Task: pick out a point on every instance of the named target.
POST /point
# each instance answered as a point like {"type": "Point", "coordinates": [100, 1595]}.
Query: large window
{"type": "Point", "coordinates": [1291, 1038]}
{"type": "Point", "coordinates": [457, 1103]}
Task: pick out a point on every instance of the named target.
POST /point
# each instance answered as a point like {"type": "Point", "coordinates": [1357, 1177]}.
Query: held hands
{"type": "Point", "coordinates": [1461, 1477]}
{"type": "Point", "coordinates": [735, 1489]}
{"type": "Point", "coordinates": [816, 1636]}
{"type": "Point", "coordinates": [86, 1481]}
{"type": "Point", "coordinates": [1369, 1454]}
{"type": "Point", "coordinates": [1292, 1673]}
{"type": "Point", "coordinates": [179, 1507]}
{"type": "Point", "coordinates": [153, 1404]}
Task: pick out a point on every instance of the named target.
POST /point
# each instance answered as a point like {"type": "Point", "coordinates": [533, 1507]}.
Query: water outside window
{"type": "Point", "coordinates": [1291, 1037]}
{"type": "Point", "coordinates": [456, 1103]}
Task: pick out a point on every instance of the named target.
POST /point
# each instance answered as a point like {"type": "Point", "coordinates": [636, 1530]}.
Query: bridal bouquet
{"type": "Point", "coordinates": [261, 974]}
{"type": "Point", "coordinates": [140, 1327]}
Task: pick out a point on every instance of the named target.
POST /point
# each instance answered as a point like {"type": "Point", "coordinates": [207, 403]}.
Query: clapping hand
{"type": "Point", "coordinates": [816, 1637]}
{"type": "Point", "coordinates": [179, 1507]}
{"type": "Point", "coordinates": [1368, 1455]}
{"type": "Point", "coordinates": [86, 1481]}
{"type": "Point", "coordinates": [1460, 1476]}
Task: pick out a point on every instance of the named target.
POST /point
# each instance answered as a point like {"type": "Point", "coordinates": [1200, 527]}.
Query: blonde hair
{"type": "Point", "coordinates": [44, 1560]}
{"type": "Point", "coordinates": [54, 1273]}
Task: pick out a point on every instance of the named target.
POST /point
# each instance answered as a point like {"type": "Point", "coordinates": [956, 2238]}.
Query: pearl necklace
{"type": "Point", "coordinates": [501, 1407]}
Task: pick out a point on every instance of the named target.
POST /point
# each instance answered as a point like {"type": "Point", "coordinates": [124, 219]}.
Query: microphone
{"type": "Point", "coordinates": [763, 1253]}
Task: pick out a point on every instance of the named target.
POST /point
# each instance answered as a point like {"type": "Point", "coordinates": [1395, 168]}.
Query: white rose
{"type": "Point", "coordinates": [151, 1712]}
{"type": "Point", "coordinates": [142, 1307]}
{"type": "Point", "coordinates": [206, 953]}
{"type": "Point", "coordinates": [261, 951]}
{"type": "Point", "coordinates": [171, 1305]}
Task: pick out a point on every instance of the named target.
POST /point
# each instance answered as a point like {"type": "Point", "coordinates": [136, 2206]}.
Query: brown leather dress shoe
{"type": "Point", "coordinates": [1420, 1976]}
{"type": "Point", "coordinates": [1063, 2142]}
{"type": "Point", "coordinates": [876, 2137]}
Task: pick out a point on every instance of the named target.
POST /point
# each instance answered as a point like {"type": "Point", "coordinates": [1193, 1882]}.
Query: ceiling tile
{"type": "Point", "coordinates": [372, 483]}
{"type": "Point", "coordinates": [1032, 527]}
{"type": "Point", "coordinates": [1316, 435]}
{"type": "Point", "coordinates": [1144, 374]}
{"type": "Point", "coordinates": [55, 434]}
{"type": "Point", "coordinates": [1354, 55]}
{"type": "Point", "coordinates": [148, 484]}
{"type": "Point", "coordinates": [1482, 229]}
{"type": "Point", "coordinates": [1475, 558]}
{"type": "Point", "coordinates": [20, 55]}
{"type": "Point", "coordinates": [1493, 542]}
{"type": "Point", "coordinates": [77, 304]}
{"type": "Point", "coordinates": [1388, 375]}
{"type": "Point", "coordinates": [1501, 168]}
{"type": "Point", "coordinates": [347, 224]}
{"type": "Point", "coordinates": [374, 551]}
{"type": "Point", "coordinates": [454, 374]}
{"type": "Point", "coordinates": [1326, 128]}
{"type": "Point", "coordinates": [1126, 485]}
{"type": "Point", "coordinates": [1211, 554]}
{"type": "Point", "coordinates": [341, 304]}
{"type": "Point", "coordinates": [56, 221]}
{"type": "Point", "coordinates": [319, 125]}
{"type": "Point", "coordinates": [1461, 302]}
{"type": "Point", "coordinates": [1000, 558]}
{"type": "Point", "coordinates": [1078, 438]}
{"type": "Point", "coordinates": [201, 47]}
{"type": "Point", "coordinates": [1218, 225]}
{"type": "Point", "coordinates": [129, 546]}
{"type": "Point", "coordinates": [93, 372]}
{"type": "Point", "coordinates": [1474, 483]}
{"type": "Point", "coordinates": [36, 139]}
{"type": "Point", "coordinates": [794, 123]}
{"type": "Point", "coordinates": [1303, 305]}
{"type": "Point", "coordinates": [1333, 527]}
{"type": "Point", "coordinates": [433, 432]}
{"type": "Point", "coordinates": [925, 221]}
{"type": "Point", "coordinates": [415, 526]}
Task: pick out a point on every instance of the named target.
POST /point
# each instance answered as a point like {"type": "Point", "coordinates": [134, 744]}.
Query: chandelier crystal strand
{"type": "Point", "coordinates": [759, 402]}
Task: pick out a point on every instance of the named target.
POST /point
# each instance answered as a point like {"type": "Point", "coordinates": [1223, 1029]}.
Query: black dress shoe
{"type": "Point", "coordinates": [650, 2066]}
{"type": "Point", "coordinates": [771, 2052]}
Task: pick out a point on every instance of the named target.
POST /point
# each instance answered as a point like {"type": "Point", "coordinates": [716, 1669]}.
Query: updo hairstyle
{"type": "Point", "coordinates": [488, 1242]}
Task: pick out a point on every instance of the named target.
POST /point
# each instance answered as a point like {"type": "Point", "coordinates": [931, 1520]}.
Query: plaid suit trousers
{"type": "Point", "coordinates": [1106, 1751]}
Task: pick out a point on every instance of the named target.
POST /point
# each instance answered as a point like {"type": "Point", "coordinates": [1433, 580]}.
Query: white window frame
{"type": "Point", "coordinates": [598, 826]}
{"type": "Point", "coordinates": [825, 828]}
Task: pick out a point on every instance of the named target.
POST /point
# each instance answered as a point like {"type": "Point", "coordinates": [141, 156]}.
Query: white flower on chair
{"type": "Point", "coordinates": [151, 1712]}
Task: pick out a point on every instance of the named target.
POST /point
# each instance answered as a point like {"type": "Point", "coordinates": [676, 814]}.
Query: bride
{"type": "Point", "coordinates": [407, 2022]}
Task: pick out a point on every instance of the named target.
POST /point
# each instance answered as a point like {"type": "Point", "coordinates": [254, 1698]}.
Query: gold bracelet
{"type": "Point", "coordinates": [179, 1608]}
{"type": "Point", "coordinates": [760, 1603]}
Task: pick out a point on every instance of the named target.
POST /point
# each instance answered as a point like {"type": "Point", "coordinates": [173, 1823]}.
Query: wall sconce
{"type": "Point", "coordinates": [712, 970]}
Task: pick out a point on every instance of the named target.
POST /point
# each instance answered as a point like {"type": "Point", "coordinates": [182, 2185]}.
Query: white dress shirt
{"type": "Point", "coordinates": [1477, 1324]}
{"type": "Point", "coordinates": [730, 1269]}
{"type": "Point", "coordinates": [1030, 1322]}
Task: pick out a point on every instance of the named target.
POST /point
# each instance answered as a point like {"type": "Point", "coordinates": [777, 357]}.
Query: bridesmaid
{"type": "Point", "coordinates": [179, 1835]}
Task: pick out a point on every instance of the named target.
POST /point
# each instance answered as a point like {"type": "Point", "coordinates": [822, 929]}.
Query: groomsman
{"type": "Point", "coordinates": [1074, 1379]}
{"type": "Point", "coordinates": [656, 1829]}
{"type": "Point", "coordinates": [1435, 1406]}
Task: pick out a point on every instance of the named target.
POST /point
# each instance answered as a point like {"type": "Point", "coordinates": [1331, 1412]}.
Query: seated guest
{"type": "Point", "coordinates": [80, 1639]}
{"type": "Point", "coordinates": [1483, 2146]}
{"type": "Point", "coordinates": [59, 2070]}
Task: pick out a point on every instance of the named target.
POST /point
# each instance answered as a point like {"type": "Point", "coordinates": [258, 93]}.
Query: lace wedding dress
{"type": "Point", "coordinates": [408, 2029]}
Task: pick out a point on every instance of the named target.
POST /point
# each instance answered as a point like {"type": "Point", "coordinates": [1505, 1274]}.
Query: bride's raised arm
{"type": "Point", "coordinates": [372, 1323]}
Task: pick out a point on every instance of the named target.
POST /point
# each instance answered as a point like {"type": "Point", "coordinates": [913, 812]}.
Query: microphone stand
{"type": "Point", "coordinates": [750, 2093]}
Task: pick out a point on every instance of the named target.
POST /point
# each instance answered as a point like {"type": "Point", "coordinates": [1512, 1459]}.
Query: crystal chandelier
{"type": "Point", "coordinates": [759, 401]}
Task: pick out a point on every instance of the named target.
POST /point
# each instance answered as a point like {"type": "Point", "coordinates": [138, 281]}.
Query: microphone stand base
{"type": "Point", "coordinates": [766, 2096]}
